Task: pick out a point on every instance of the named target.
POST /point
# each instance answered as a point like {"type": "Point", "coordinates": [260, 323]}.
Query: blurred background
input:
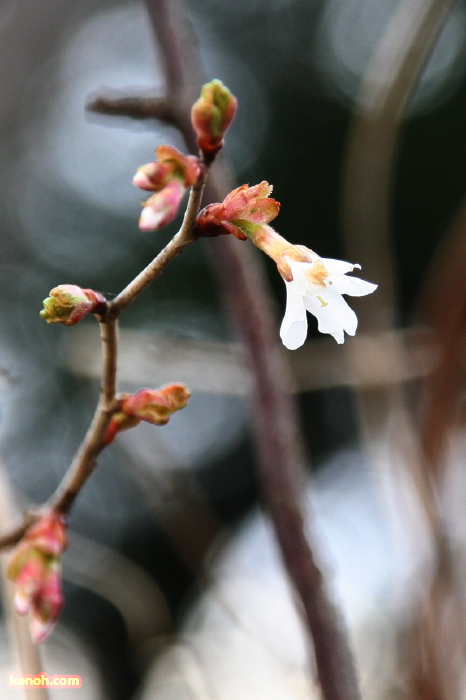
{"type": "Point", "coordinates": [355, 112]}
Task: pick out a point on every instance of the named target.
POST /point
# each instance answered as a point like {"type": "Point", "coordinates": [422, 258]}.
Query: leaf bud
{"type": "Point", "coordinates": [211, 116]}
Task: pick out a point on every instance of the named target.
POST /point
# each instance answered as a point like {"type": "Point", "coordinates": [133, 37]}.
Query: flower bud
{"type": "Point", "coordinates": [48, 534]}
{"type": "Point", "coordinates": [169, 176]}
{"type": "Point", "coordinates": [29, 564]}
{"type": "Point", "coordinates": [170, 164]}
{"type": "Point", "coordinates": [156, 406]}
{"type": "Point", "coordinates": [152, 176]}
{"type": "Point", "coordinates": [68, 304]}
{"type": "Point", "coordinates": [35, 569]}
{"type": "Point", "coordinates": [162, 207]}
{"type": "Point", "coordinates": [211, 116]}
{"type": "Point", "coordinates": [48, 604]}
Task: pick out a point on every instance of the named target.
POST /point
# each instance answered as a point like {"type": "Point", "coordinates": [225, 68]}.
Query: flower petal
{"type": "Point", "coordinates": [338, 267]}
{"type": "Point", "coordinates": [352, 285]}
{"type": "Point", "coordinates": [333, 314]}
{"type": "Point", "coordinates": [152, 219]}
{"type": "Point", "coordinates": [293, 330]}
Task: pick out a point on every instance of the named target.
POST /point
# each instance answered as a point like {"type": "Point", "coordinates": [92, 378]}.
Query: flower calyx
{"type": "Point", "coordinates": [168, 177]}
{"type": "Point", "coordinates": [68, 304]}
{"type": "Point", "coordinates": [211, 116]}
{"type": "Point", "coordinates": [35, 569]}
{"type": "Point", "coordinates": [244, 213]}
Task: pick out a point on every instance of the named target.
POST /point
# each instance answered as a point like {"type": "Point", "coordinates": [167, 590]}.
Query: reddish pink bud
{"type": "Point", "coordinates": [47, 603]}
{"type": "Point", "coordinates": [162, 207]}
{"type": "Point", "coordinates": [168, 177]}
{"type": "Point", "coordinates": [152, 176]}
{"type": "Point", "coordinates": [28, 577]}
{"type": "Point", "coordinates": [35, 569]}
{"type": "Point", "coordinates": [211, 116]}
{"type": "Point", "coordinates": [156, 406]}
{"type": "Point", "coordinates": [242, 213]}
{"type": "Point", "coordinates": [170, 164]}
{"type": "Point", "coordinates": [188, 169]}
{"type": "Point", "coordinates": [68, 304]}
{"type": "Point", "coordinates": [48, 534]}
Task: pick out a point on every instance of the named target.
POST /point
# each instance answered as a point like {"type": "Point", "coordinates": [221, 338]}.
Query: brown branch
{"type": "Point", "coordinates": [278, 439]}
{"type": "Point", "coordinates": [85, 459]}
{"type": "Point", "coordinates": [176, 246]}
{"type": "Point", "coordinates": [15, 534]}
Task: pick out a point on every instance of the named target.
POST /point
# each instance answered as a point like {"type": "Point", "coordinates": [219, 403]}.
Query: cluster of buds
{"type": "Point", "coordinates": [313, 283]}
{"type": "Point", "coordinates": [36, 571]}
{"type": "Point", "coordinates": [68, 304]}
{"type": "Point", "coordinates": [211, 116]}
{"type": "Point", "coordinates": [168, 177]}
{"type": "Point", "coordinates": [154, 406]}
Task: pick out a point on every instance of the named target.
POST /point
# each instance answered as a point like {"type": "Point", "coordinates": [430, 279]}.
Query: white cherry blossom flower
{"type": "Point", "coordinates": [317, 287]}
{"type": "Point", "coordinates": [313, 283]}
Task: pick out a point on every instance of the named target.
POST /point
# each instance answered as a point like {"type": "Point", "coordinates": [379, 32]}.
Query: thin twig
{"type": "Point", "coordinates": [85, 460]}
{"type": "Point", "coordinates": [175, 247]}
{"type": "Point", "coordinates": [279, 442]}
{"type": "Point", "coordinates": [13, 536]}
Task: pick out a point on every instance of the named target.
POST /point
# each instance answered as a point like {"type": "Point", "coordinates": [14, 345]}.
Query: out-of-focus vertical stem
{"type": "Point", "coordinates": [372, 149]}
{"type": "Point", "coordinates": [280, 447]}
{"type": "Point", "coordinates": [373, 139]}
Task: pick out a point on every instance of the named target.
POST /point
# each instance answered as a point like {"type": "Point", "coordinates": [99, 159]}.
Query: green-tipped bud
{"type": "Point", "coordinates": [68, 304]}
{"type": "Point", "coordinates": [156, 405]}
{"type": "Point", "coordinates": [211, 116]}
